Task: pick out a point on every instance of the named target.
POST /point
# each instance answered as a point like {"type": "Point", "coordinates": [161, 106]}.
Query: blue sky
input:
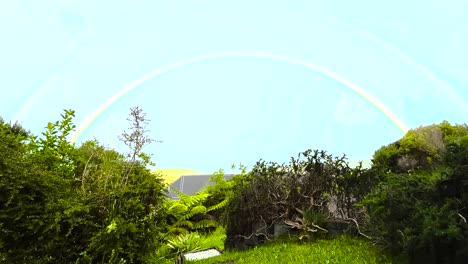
{"type": "Point", "coordinates": [409, 55]}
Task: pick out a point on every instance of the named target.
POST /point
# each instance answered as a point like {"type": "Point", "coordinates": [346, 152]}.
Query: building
{"type": "Point", "coordinates": [191, 184]}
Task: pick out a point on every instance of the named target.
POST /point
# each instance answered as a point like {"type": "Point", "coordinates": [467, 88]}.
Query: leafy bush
{"type": "Point", "coordinates": [126, 199]}
{"type": "Point", "coordinates": [42, 219]}
{"type": "Point", "coordinates": [314, 182]}
{"type": "Point", "coordinates": [62, 204]}
{"type": "Point", "coordinates": [421, 211]}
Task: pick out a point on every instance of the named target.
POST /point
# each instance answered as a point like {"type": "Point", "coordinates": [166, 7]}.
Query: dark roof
{"type": "Point", "coordinates": [191, 184]}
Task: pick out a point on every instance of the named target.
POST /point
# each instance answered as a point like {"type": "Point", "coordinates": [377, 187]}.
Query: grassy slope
{"type": "Point", "coordinates": [171, 175]}
{"type": "Point", "coordinates": [341, 250]}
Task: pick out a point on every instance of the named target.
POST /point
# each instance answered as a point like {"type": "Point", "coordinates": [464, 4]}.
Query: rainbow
{"type": "Point", "coordinates": [360, 91]}
{"type": "Point", "coordinates": [433, 77]}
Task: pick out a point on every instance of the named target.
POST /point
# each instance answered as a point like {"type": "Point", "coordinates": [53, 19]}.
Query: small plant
{"type": "Point", "coordinates": [184, 243]}
{"type": "Point", "coordinates": [310, 224]}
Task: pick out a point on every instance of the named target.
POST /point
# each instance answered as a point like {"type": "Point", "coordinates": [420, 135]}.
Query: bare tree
{"type": "Point", "coordinates": [137, 138]}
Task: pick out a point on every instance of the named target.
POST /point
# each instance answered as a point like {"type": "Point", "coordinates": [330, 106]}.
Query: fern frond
{"type": "Point", "coordinates": [200, 209]}
{"type": "Point", "coordinates": [196, 199]}
{"type": "Point", "coordinates": [175, 231]}
{"type": "Point", "coordinates": [179, 193]}
{"type": "Point", "coordinates": [184, 223]}
{"type": "Point", "coordinates": [220, 205]}
{"type": "Point", "coordinates": [205, 224]}
{"type": "Point", "coordinates": [177, 210]}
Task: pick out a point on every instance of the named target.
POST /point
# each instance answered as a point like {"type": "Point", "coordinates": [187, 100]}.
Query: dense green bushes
{"type": "Point", "coordinates": [61, 204]}
{"type": "Point", "coordinates": [89, 204]}
{"type": "Point", "coordinates": [421, 211]}
{"type": "Point", "coordinates": [42, 220]}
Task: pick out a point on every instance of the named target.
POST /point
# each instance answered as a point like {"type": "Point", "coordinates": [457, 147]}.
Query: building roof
{"type": "Point", "coordinates": [191, 184]}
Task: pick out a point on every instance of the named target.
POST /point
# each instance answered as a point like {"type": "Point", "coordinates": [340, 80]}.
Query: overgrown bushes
{"type": "Point", "coordinates": [413, 200]}
{"type": "Point", "coordinates": [61, 204]}
{"type": "Point", "coordinates": [316, 183]}
{"type": "Point", "coordinates": [422, 211]}
{"type": "Point", "coordinates": [89, 204]}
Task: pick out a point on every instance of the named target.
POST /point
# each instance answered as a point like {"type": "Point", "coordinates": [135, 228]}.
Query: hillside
{"type": "Point", "coordinates": [171, 175]}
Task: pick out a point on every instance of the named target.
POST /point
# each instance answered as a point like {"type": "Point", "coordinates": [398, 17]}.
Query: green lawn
{"type": "Point", "coordinates": [340, 250]}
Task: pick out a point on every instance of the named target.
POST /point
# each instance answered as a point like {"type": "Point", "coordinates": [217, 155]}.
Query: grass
{"type": "Point", "coordinates": [216, 239]}
{"type": "Point", "coordinates": [344, 249]}
{"type": "Point", "coordinates": [170, 175]}
{"type": "Point", "coordinates": [339, 250]}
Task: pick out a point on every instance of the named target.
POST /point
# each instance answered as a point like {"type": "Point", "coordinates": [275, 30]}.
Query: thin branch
{"type": "Point", "coordinates": [356, 223]}
{"type": "Point", "coordinates": [85, 170]}
{"type": "Point", "coordinates": [464, 219]}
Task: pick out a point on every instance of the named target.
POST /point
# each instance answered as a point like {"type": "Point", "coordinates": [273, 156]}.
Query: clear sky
{"type": "Point", "coordinates": [409, 56]}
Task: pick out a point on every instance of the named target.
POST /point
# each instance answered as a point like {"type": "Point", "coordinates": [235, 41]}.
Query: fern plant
{"type": "Point", "coordinates": [190, 214]}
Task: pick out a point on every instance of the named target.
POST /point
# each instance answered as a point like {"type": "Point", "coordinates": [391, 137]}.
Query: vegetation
{"type": "Point", "coordinates": [341, 250]}
{"type": "Point", "coordinates": [303, 194]}
{"type": "Point", "coordinates": [419, 205]}
{"type": "Point", "coordinates": [61, 203]}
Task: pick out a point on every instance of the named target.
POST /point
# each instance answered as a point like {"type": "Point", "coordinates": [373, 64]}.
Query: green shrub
{"type": "Point", "coordinates": [422, 212]}
{"type": "Point", "coordinates": [42, 219]}
{"type": "Point", "coordinates": [62, 204]}
{"type": "Point", "coordinates": [313, 182]}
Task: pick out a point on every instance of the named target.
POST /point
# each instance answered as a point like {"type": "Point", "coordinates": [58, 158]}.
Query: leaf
{"type": "Point", "coordinates": [177, 209]}
{"type": "Point", "coordinates": [205, 224]}
{"type": "Point", "coordinates": [196, 211]}
{"type": "Point", "coordinates": [218, 206]}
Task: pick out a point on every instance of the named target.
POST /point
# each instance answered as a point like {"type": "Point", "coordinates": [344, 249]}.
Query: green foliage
{"type": "Point", "coordinates": [386, 157]}
{"type": "Point", "coordinates": [42, 219]}
{"type": "Point", "coordinates": [421, 148]}
{"type": "Point", "coordinates": [53, 150]}
{"type": "Point", "coordinates": [184, 243]}
{"type": "Point", "coordinates": [222, 191]}
{"type": "Point", "coordinates": [351, 188]}
{"type": "Point", "coordinates": [201, 211]}
{"type": "Point", "coordinates": [188, 242]}
{"type": "Point", "coordinates": [422, 212]}
{"type": "Point", "coordinates": [89, 204]}
{"type": "Point", "coordinates": [62, 204]}
{"type": "Point", "coordinates": [429, 139]}
{"type": "Point", "coordinates": [190, 213]}
{"type": "Point", "coordinates": [214, 239]}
